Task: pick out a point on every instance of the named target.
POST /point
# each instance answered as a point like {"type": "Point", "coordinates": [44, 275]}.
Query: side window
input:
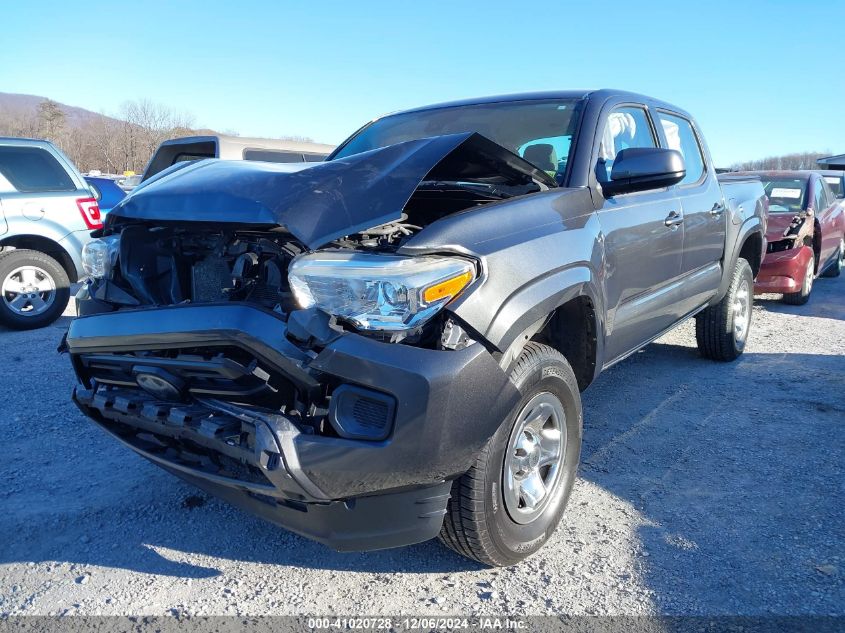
{"type": "Point", "coordinates": [626, 127]}
{"type": "Point", "coordinates": [680, 136]}
{"type": "Point", "coordinates": [33, 170]}
{"type": "Point", "coordinates": [828, 193]}
{"type": "Point", "coordinates": [819, 202]}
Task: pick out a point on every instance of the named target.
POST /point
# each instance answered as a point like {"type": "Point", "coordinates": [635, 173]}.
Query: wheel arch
{"type": "Point", "coordinates": [817, 244]}
{"type": "Point", "coordinates": [563, 310]}
{"type": "Point", "coordinates": [750, 243]}
{"type": "Point", "coordinates": [44, 245]}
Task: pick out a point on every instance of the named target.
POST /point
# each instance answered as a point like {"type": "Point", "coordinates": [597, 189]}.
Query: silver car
{"type": "Point", "coordinates": [47, 213]}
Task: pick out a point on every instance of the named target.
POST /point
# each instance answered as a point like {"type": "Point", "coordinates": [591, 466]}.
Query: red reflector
{"type": "Point", "coordinates": [90, 211]}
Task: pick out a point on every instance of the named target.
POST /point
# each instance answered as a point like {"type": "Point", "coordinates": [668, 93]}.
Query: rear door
{"type": "Point", "coordinates": [44, 192]}
{"type": "Point", "coordinates": [643, 237]}
{"type": "Point", "coordinates": [829, 213]}
{"type": "Point", "coordinates": [704, 214]}
{"type": "Point", "coordinates": [6, 190]}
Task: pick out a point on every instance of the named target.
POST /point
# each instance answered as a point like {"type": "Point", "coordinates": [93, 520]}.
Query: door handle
{"type": "Point", "coordinates": [718, 209]}
{"type": "Point", "coordinates": [673, 219]}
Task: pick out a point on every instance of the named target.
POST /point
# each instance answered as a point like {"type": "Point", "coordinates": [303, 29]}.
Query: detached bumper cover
{"type": "Point", "coordinates": [348, 494]}
{"type": "Point", "coordinates": [783, 271]}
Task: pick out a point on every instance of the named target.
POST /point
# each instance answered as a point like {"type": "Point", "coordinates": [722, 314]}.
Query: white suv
{"type": "Point", "coordinates": [47, 213]}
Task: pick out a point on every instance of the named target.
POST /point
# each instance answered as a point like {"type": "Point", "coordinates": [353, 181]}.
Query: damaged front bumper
{"type": "Point", "coordinates": [783, 271]}
{"type": "Point", "coordinates": [351, 494]}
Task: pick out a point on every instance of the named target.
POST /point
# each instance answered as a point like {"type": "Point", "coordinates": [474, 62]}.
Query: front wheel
{"type": "Point", "coordinates": [34, 289]}
{"type": "Point", "coordinates": [803, 296]}
{"type": "Point", "coordinates": [722, 330]}
{"type": "Point", "coordinates": [511, 500]}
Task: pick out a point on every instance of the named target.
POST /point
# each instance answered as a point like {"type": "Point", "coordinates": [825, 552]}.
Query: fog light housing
{"type": "Point", "coordinates": [357, 413]}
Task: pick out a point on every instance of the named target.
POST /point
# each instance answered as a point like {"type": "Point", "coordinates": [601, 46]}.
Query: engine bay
{"type": "Point", "coordinates": [169, 265]}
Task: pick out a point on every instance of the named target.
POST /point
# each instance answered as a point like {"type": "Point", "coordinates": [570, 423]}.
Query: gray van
{"type": "Point", "coordinates": [187, 148]}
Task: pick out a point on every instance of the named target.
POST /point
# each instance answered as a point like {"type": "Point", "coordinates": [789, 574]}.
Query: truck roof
{"type": "Point", "coordinates": [604, 93]}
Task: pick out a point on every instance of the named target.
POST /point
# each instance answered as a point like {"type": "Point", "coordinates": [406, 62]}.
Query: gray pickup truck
{"type": "Point", "coordinates": [391, 345]}
{"type": "Point", "coordinates": [47, 212]}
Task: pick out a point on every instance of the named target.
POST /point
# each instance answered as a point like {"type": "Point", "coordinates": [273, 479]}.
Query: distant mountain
{"type": "Point", "coordinates": [74, 116]}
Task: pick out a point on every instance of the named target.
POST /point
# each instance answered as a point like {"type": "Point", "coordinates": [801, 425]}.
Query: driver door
{"type": "Point", "coordinates": [643, 240]}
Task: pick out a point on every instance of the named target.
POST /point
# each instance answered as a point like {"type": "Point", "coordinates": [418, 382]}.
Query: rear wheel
{"type": "Point", "coordinates": [835, 269]}
{"type": "Point", "coordinates": [803, 296]}
{"type": "Point", "coordinates": [34, 289]}
{"type": "Point", "coordinates": [721, 331]}
{"type": "Point", "coordinates": [511, 500]}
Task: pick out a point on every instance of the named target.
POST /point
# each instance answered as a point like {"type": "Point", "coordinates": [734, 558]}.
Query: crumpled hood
{"type": "Point", "coordinates": [321, 202]}
{"type": "Point", "coordinates": [778, 223]}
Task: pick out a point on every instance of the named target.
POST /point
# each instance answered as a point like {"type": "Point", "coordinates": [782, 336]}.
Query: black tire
{"type": "Point", "coordinates": [715, 326]}
{"type": "Point", "coordinates": [802, 296]}
{"type": "Point", "coordinates": [56, 299]}
{"type": "Point", "coordinates": [478, 523]}
{"type": "Point", "coordinates": [835, 268]}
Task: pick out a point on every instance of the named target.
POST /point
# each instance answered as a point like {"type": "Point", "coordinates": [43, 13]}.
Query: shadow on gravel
{"type": "Point", "coordinates": [156, 545]}
{"type": "Point", "coordinates": [60, 323]}
{"type": "Point", "coordinates": [737, 469]}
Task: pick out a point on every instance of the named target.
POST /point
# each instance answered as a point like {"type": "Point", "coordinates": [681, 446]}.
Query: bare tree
{"type": "Point", "coordinates": [51, 118]}
{"type": "Point", "coordinates": [109, 143]}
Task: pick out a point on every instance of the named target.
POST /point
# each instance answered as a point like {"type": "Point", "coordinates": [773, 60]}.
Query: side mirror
{"type": "Point", "coordinates": [644, 168]}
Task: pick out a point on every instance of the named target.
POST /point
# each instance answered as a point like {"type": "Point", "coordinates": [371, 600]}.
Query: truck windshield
{"type": "Point", "coordinates": [786, 195]}
{"type": "Point", "coordinates": [540, 131]}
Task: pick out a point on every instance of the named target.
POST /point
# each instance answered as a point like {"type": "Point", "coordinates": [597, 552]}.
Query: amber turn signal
{"type": "Point", "coordinates": [446, 289]}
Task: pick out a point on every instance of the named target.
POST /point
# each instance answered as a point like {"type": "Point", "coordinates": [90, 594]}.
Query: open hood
{"type": "Point", "coordinates": [321, 202]}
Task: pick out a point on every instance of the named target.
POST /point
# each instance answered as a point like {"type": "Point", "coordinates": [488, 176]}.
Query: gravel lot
{"type": "Point", "coordinates": [704, 489]}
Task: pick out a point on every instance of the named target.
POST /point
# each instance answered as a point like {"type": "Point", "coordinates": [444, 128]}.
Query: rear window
{"type": "Point", "coordinates": [185, 157]}
{"type": "Point", "coordinates": [33, 170]}
{"type": "Point", "coordinates": [273, 156]}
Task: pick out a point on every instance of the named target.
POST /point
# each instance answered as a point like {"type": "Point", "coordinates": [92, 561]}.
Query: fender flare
{"type": "Point", "coordinates": [526, 311]}
{"type": "Point", "coordinates": [750, 226]}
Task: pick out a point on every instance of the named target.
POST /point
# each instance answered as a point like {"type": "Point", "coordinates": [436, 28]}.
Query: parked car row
{"type": "Point", "coordinates": [48, 210]}
{"type": "Point", "coordinates": [806, 235]}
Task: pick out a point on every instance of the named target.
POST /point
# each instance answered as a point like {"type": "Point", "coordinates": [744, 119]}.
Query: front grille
{"type": "Point", "coordinates": [225, 373]}
{"type": "Point", "coordinates": [780, 245]}
{"type": "Point", "coordinates": [192, 436]}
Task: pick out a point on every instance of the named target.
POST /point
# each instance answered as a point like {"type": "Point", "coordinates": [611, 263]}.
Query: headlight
{"type": "Point", "coordinates": [100, 256]}
{"type": "Point", "coordinates": [378, 292]}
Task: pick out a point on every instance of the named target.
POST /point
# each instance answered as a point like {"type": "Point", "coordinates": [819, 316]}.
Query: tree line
{"type": "Point", "coordinates": [126, 141]}
{"type": "Point", "coordinates": [111, 144]}
{"type": "Point", "coordinates": [798, 160]}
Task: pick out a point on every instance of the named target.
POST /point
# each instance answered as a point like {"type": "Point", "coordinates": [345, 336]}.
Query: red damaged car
{"type": "Point", "coordinates": [806, 234]}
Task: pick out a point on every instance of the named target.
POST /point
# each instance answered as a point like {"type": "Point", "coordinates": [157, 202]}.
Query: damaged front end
{"type": "Point", "coordinates": [790, 250]}
{"type": "Point", "coordinates": [272, 346]}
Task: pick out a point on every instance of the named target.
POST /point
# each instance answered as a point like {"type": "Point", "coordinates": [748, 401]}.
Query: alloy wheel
{"type": "Point", "coordinates": [534, 457]}
{"type": "Point", "coordinates": [742, 311]}
{"type": "Point", "coordinates": [809, 275]}
{"type": "Point", "coordinates": [28, 290]}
